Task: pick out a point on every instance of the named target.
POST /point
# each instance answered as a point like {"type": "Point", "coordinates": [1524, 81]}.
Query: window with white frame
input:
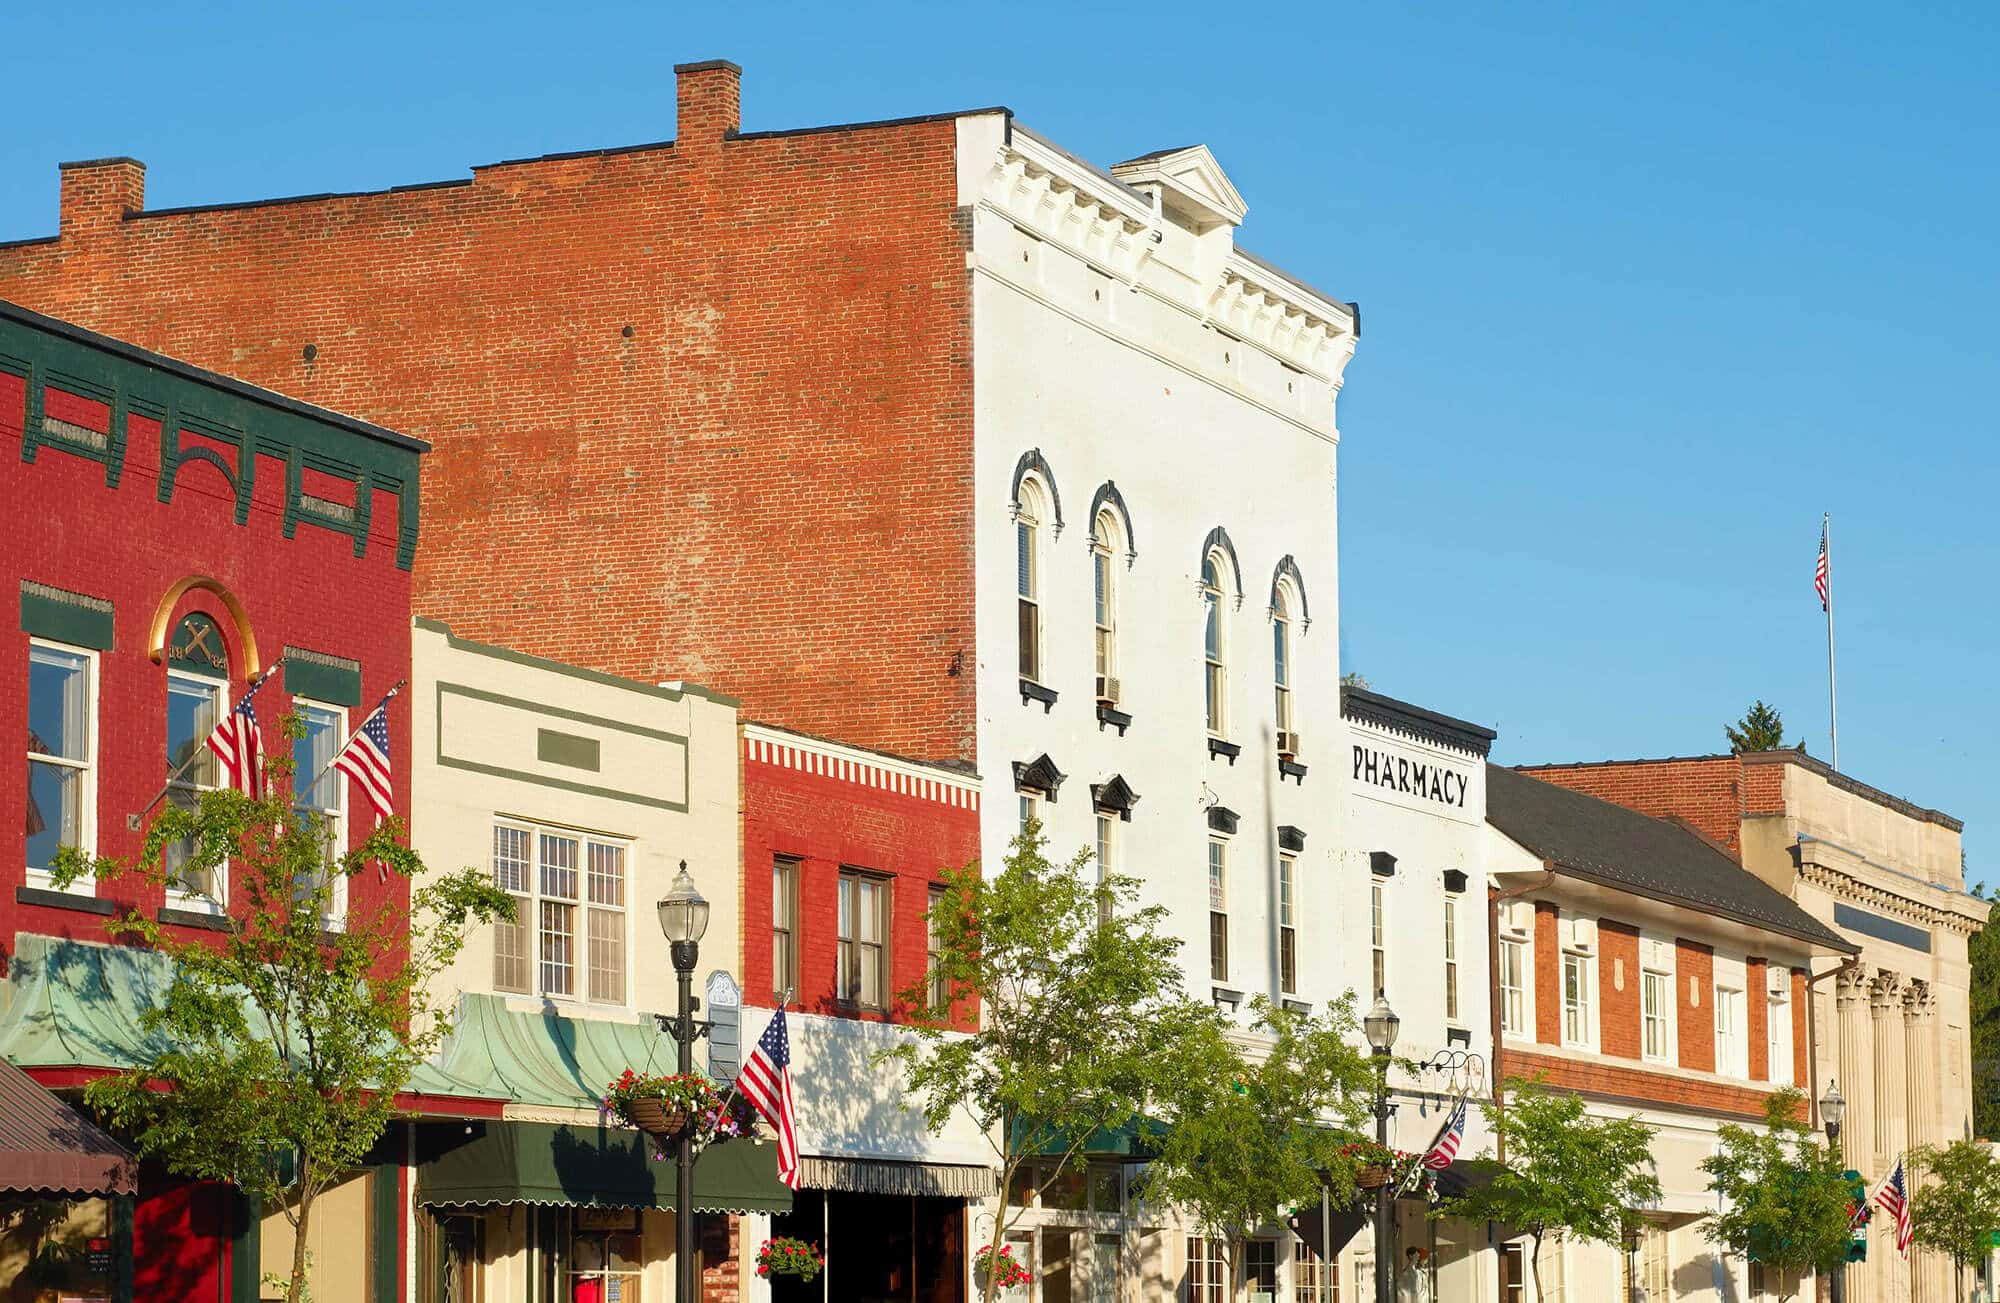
{"type": "Point", "coordinates": [1218, 910]}
{"type": "Point", "coordinates": [1260, 1270]}
{"type": "Point", "coordinates": [62, 751]}
{"type": "Point", "coordinates": [1281, 663]}
{"type": "Point", "coordinates": [1028, 580]}
{"type": "Point", "coordinates": [934, 946]}
{"type": "Point", "coordinates": [1314, 1280]}
{"type": "Point", "coordinates": [863, 940]}
{"type": "Point", "coordinates": [1579, 977]}
{"type": "Point", "coordinates": [318, 792]}
{"type": "Point", "coordinates": [1030, 809]}
{"type": "Point", "coordinates": [1656, 1015]}
{"type": "Point", "coordinates": [1104, 605]}
{"type": "Point", "coordinates": [1107, 862]}
{"type": "Point", "coordinates": [1451, 1013]}
{"type": "Point", "coordinates": [1288, 924]}
{"type": "Point", "coordinates": [784, 925]}
{"type": "Point", "coordinates": [1779, 1011]}
{"type": "Point", "coordinates": [1215, 673]}
{"type": "Point", "coordinates": [195, 705]}
{"type": "Point", "coordinates": [568, 937]}
{"type": "Point", "coordinates": [1514, 987]}
{"type": "Point", "coordinates": [1207, 1271]}
{"type": "Point", "coordinates": [1378, 935]}
{"type": "Point", "coordinates": [1732, 1050]}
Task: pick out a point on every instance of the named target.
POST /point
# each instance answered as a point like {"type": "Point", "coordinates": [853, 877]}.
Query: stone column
{"type": "Point", "coordinates": [1855, 1071]}
{"type": "Point", "coordinates": [1930, 1272]}
{"type": "Point", "coordinates": [1891, 1273]}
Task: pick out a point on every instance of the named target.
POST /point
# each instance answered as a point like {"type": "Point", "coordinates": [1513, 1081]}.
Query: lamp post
{"type": "Point", "coordinates": [1832, 1108]}
{"type": "Point", "coordinates": [1380, 1026]}
{"type": "Point", "coordinates": [684, 917]}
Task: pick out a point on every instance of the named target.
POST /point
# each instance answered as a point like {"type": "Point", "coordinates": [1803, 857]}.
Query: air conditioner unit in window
{"type": "Point", "coordinates": [1517, 918]}
{"type": "Point", "coordinates": [1582, 934]}
{"type": "Point", "coordinates": [1289, 745]}
{"type": "Point", "coordinates": [1107, 689]}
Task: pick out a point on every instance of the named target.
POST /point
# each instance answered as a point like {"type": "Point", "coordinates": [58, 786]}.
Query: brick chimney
{"type": "Point", "coordinates": [98, 192]}
{"type": "Point", "coordinates": [709, 103]}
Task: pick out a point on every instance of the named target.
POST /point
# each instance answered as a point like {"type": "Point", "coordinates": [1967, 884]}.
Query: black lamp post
{"type": "Point", "coordinates": [1832, 1108]}
{"type": "Point", "coordinates": [684, 917]}
{"type": "Point", "coordinates": [1380, 1026]}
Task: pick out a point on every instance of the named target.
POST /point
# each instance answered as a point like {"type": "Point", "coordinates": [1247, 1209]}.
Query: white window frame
{"type": "Point", "coordinates": [1030, 565]}
{"type": "Point", "coordinates": [193, 901]}
{"type": "Point", "coordinates": [1454, 1010]}
{"type": "Point", "coordinates": [531, 904]}
{"type": "Point", "coordinates": [1106, 851]}
{"type": "Point", "coordinates": [87, 795]}
{"type": "Point", "coordinates": [1734, 1011]}
{"type": "Point", "coordinates": [1288, 923]}
{"type": "Point", "coordinates": [1104, 593]}
{"type": "Point", "coordinates": [1218, 908]}
{"type": "Point", "coordinates": [1281, 659]}
{"type": "Point", "coordinates": [933, 944]}
{"type": "Point", "coordinates": [1030, 806]}
{"type": "Point", "coordinates": [1215, 651]}
{"type": "Point", "coordinates": [785, 904]}
{"type": "Point", "coordinates": [849, 949]}
{"type": "Point", "coordinates": [1206, 1278]}
{"type": "Point", "coordinates": [335, 918]}
{"type": "Point", "coordinates": [1778, 1014]}
{"type": "Point", "coordinates": [1378, 934]}
{"type": "Point", "coordinates": [1520, 994]}
{"type": "Point", "coordinates": [1653, 979]}
{"type": "Point", "coordinates": [1579, 1016]}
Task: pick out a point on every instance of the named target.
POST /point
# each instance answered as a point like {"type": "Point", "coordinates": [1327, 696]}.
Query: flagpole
{"type": "Point", "coordinates": [1832, 692]}
{"type": "Point", "coordinates": [338, 751]}
{"type": "Point", "coordinates": [200, 748]}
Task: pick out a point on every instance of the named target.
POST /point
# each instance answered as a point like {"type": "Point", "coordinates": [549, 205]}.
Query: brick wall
{"type": "Point", "coordinates": [1618, 988]}
{"type": "Point", "coordinates": [1621, 1083]}
{"type": "Point", "coordinates": [1757, 1005]}
{"type": "Point", "coordinates": [1801, 1032]}
{"type": "Point", "coordinates": [1694, 1001]}
{"type": "Point", "coordinates": [1548, 974]}
{"type": "Point", "coordinates": [700, 409]}
{"type": "Point", "coordinates": [1705, 791]}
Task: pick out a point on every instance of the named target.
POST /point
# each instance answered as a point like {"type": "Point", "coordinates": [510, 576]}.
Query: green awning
{"type": "Point", "coordinates": [587, 1166]}
{"type": "Point", "coordinates": [542, 1058]}
{"type": "Point", "coordinates": [1136, 1141]}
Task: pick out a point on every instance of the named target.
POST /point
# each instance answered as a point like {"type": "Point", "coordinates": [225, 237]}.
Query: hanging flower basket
{"type": "Point", "coordinates": [1007, 1272]}
{"type": "Point", "coordinates": [662, 1106]}
{"type": "Point", "coordinates": [784, 1256]}
{"type": "Point", "coordinates": [1371, 1178]}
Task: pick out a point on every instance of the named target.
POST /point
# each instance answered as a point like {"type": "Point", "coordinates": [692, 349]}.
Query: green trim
{"type": "Point", "coordinates": [575, 716]}
{"type": "Point", "coordinates": [386, 1241]}
{"type": "Point", "coordinates": [121, 1247]}
{"type": "Point", "coordinates": [553, 748]}
{"type": "Point", "coordinates": [244, 421]}
{"type": "Point", "coordinates": [62, 616]}
{"type": "Point", "coordinates": [334, 680]}
{"type": "Point", "coordinates": [246, 1252]}
{"type": "Point", "coordinates": [457, 643]}
{"type": "Point", "coordinates": [587, 1165]}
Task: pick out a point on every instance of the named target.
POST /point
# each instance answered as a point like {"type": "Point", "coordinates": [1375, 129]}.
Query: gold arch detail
{"type": "Point", "coordinates": [163, 621]}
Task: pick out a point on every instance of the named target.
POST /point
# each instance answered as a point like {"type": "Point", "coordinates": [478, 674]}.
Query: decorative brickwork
{"type": "Point", "coordinates": [1638, 1085]}
{"type": "Point", "coordinates": [1618, 988]}
{"type": "Point", "coordinates": [1757, 1000]}
{"type": "Point", "coordinates": [1548, 974]}
{"type": "Point", "coordinates": [1694, 998]}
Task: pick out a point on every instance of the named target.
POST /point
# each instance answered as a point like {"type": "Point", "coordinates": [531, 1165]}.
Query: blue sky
{"type": "Point", "coordinates": [1645, 290]}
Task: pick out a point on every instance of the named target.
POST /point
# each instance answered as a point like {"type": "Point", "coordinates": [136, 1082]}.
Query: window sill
{"type": "Point", "coordinates": [1288, 768]}
{"type": "Point", "coordinates": [1033, 691]}
{"type": "Point", "coordinates": [1303, 1008]}
{"type": "Point", "coordinates": [1225, 996]}
{"type": "Point", "coordinates": [193, 918]}
{"type": "Point", "coordinates": [1227, 750]}
{"type": "Point", "coordinates": [1110, 714]}
{"type": "Point", "coordinates": [50, 898]}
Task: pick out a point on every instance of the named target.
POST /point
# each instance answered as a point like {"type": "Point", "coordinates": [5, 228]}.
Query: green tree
{"type": "Point", "coordinates": [285, 1040]}
{"type": "Point", "coordinates": [1783, 1191]}
{"type": "Point", "coordinates": [1353, 679]}
{"type": "Point", "coordinates": [1251, 1136]}
{"type": "Point", "coordinates": [1081, 1013]}
{"type": "Point", "coordinates": [1760, 729]}
{"type": "Point", "coordinates": [1565, 1173]}
{"type": "Point", "coordinates": [1983, 954]}
{"type": "Point", "coordinates": [1955, 1208]}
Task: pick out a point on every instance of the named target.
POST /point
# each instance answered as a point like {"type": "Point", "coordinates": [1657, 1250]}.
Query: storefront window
{"type": "Point", "coordinates": [604, 1266]}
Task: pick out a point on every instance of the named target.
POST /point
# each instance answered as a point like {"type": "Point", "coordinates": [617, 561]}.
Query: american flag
{"type": "Point", "coordinates": [1445, 1147]}
{"type": "Point", "coordinates": [365, 759]}
{"type": "Point", "coordinates": [766, 1081]}
{"type": "Point", "coordinates": [239, 745]}
{"type": "Point", "coordinates": [1819, 571]}
{"type": "Point", "coordinates": [1893, 1197]}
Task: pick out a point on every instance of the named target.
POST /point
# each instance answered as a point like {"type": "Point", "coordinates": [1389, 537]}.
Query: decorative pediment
{"type": "Point", "coordinates": [1382, 864]}
{"type": "Point", "coordinates": [1189, 183]}
{"type": "Point", "coordinates": [1221, 819]}
{"type": "Point", "coordinates": [1114, 796]}
{"type": "Point", "coordinates": [1290, 838]}
{"type": "Point", "coordinates": [1039, 775]}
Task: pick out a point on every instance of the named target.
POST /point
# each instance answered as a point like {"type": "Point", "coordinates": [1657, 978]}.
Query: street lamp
{"type": "Point", "coordinates": [1380, 1026]}
{"type": "Point", "coordinates": [1832, 1108]}
{"type": "Point", "coordinates": [683, 918]}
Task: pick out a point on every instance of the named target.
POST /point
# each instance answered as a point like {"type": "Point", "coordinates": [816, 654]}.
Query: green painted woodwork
{"type": "Point", "coordinates": [67, 617]}
{"type": "Point", "coordinates": [663, 691]}
{"type": "Point", "coordinates": [248, 423]}
{"type": "Point", "coordinates": [386, 1235]}
{"type": "Point", "coordinates": [334, 680]}
{"type": "Point", "coordinates": [246, 1250]}
{"type": "Point", "coordinates": [556, 748]}
{"type": "Point", "coordinates": [556, 712]}
{"type": "Point", "coordinates": [590, 1165]}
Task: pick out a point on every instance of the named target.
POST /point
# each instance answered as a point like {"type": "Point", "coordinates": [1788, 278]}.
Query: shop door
{"type": "Point", "coordinates": [1107, 1268]}
{"type": "Point", "coordinates": [1058, 1267]}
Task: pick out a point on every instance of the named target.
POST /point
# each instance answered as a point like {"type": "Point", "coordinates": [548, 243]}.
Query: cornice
{"type": "Point", "coordinates": [1277, 314]}
{"type": "Point", "coordinates": [1847, 887]}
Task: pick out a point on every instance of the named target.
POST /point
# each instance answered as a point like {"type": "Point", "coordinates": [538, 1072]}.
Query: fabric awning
{"type": "Point", "coordinates": [873, 1176]}
{"type": "Point", "coordinates": [47, 1146]}
{"type": "Point", "coordinates": [1137, 1141]}
{"type": "Point", "coordinates": [587, 1166]}
{"type": "Point", "coordinates": [540, 1058]}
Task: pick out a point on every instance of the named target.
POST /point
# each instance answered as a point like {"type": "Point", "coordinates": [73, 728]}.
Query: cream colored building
{"type": "Point", "coordinates": [581, 793]}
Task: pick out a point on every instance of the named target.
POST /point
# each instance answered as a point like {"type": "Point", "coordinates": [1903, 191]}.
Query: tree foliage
{"type": "Point", "coordinates": [1760, 729]}
{"type": "Point", "coordinates": [1782, 1190]}
{"type": "Point", "coordinates": [1565, 1171]}
{"type": "Point", "coordinates": [1955, 1202]}
{"type": "Point", "coordinates": [1983, 955]}
{"type": "Point", "coordinates": [287, 1035]}
{"type": "Point", "coordinates": [1081, 1012]}
{"type": "Point", "coordinates": [1250, 1137]}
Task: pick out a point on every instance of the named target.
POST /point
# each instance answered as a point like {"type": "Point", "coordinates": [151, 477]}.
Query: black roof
{"type": "Point", "coordinates": [1583, 837]}
{"type": "Point", "coordinates": [1370, 707]}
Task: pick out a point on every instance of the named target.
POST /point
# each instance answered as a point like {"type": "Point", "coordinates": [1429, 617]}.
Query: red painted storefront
{"type": "Point", "coordinates": [138, 493]}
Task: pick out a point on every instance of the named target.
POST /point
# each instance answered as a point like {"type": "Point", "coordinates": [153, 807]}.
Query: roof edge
{"type": "Point", "coordinates": [1366, 706]}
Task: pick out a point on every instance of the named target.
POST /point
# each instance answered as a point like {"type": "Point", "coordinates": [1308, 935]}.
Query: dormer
{"type": "Point", "coordinates": [1186, 184]}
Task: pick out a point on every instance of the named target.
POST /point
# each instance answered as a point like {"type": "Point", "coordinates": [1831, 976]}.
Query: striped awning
{"type": "Point", "coordinates": [48, 1147]}
{"type": "Point", "coordinates": [598, 1166]}
{"type": "Point", "coordinates": [875, 1176]}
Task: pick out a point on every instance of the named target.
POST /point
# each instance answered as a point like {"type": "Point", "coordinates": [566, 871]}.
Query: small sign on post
{"type": "Point", "coordinates": [725, 1026]}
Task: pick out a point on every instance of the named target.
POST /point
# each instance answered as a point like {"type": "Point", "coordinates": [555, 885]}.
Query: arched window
{"type": "Point", "coordinates": [1104, 585]}
{"type": "Point", "coordinates": [1281, 668]}
{"type": "Point", "coordinates": [197, 696]}
{"type": "Point", "coordinates": [1028, 518]}
{"type": "Point", "coordinates": [1216, 670]}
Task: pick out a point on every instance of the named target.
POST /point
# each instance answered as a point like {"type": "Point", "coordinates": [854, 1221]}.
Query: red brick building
{"type": "Point", "coordinates": [174, 533]}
